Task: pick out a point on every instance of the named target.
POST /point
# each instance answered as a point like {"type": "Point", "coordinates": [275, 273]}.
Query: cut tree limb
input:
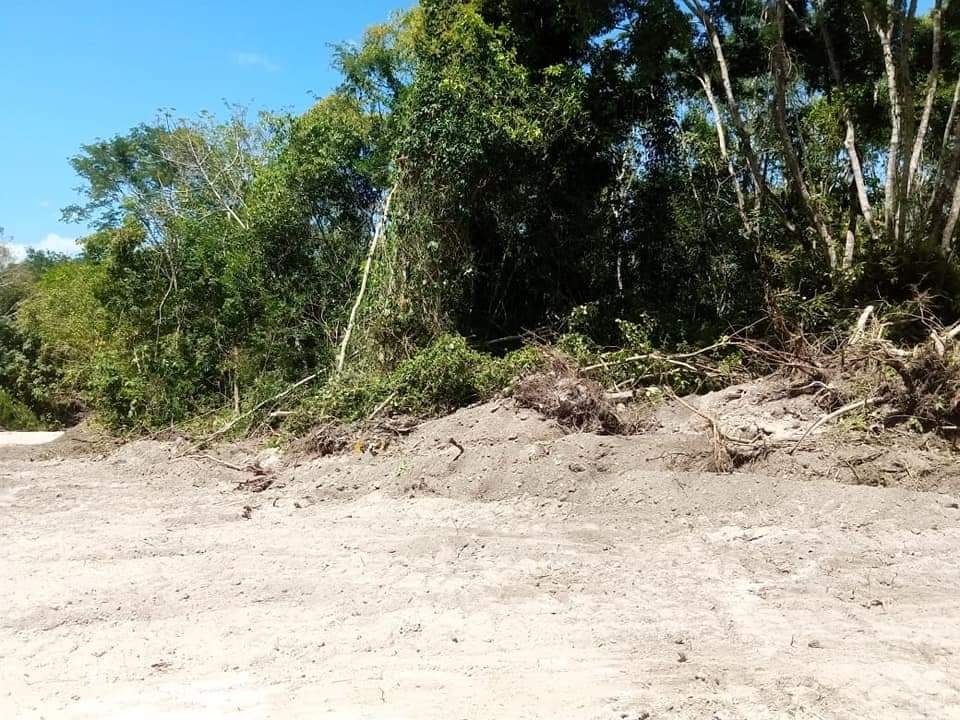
{"type": "Point", "coordinates": [672, 359]}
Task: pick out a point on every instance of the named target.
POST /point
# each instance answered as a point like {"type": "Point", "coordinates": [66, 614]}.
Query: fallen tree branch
{"type": "Point", "coordinates": [218, 461]}
{"type": "Point", "coordinates": [846, 409]}
{"type": "Point", "coordinates": [621, 396]}
{"type": "Point", "coordinates": [714, 423]}
{"type": "Point", "coordinates": [379, 408]}
{"type": "Point", "coordinates": [722, 462]}
{"type": "Point", "coordinates": [676, 359]}
{"type": "Point", "coordinates": [258, 406]}
{"type": "Point", "coordinates": [860, 328]}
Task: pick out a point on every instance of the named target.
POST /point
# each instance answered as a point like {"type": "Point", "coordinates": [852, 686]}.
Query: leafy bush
{"type": "Point", "coordinates": [446, 375]}
{"type": "Point", "coordinates": [63, 312]}
{"type": "Point", "coordinates": [14, 415]}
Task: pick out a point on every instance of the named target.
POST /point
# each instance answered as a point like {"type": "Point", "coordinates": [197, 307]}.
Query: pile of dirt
{"type": "Point", "coordinates": [498, 451]}
{"type": "Point", "coordinates": [859, 448]}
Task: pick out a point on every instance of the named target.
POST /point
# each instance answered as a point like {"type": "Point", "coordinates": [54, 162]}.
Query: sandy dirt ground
{"type": "Point", "coordinates": [10, 438]}
{"type": "Point", "coordinates": [529, 575]}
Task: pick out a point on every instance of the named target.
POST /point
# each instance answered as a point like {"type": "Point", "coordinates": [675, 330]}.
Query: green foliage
{"type": "Point", "coordinates": [552, 167]}
{"type": "Point", "coordinates": [14, 415]}
{"type": "Point", "coordinates": [442, 377]}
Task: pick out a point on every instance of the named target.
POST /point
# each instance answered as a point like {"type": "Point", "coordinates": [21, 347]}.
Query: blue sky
{"type": "Point", "coordinates": [74, 71]}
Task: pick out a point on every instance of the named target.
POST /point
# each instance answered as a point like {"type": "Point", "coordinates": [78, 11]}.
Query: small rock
{"type": "Point", "coordinates": [815, 644]}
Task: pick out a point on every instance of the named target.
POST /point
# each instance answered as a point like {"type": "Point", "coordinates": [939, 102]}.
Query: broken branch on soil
{"type": "Point", "coordinates": [280, 395]}
{"type": "Point", "coordinates": [379, 408]}
{"type": "Point", "coordinates": [722, 461]}
{"type": "Point", "coordinates": [218, 461]}
{"type": "Point", "coordinates": [846, 409]}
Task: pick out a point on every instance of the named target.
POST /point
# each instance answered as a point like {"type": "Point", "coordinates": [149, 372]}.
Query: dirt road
{"type": "Point", "coordinates": [139, 586]}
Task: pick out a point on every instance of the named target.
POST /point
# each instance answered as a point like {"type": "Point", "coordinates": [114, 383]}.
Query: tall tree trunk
{"type": "Point", "coordinates": [892, 185]}
{"type": "Point", "coordinates": [907, 115]}
{"type": "Point", "coordinates": [932, 84]}
{"type": "Point", "coordinates": [946, 241]}
{"type": "Point", "coordinates": [743, 133]}
{"type": "Point", "coordinates": [725, 154]}
{"type": "Point", "coordinates": [947, 175]}
{"type": "Point", "coordinates": [850, 139]}
{"type": "Point", "coordinates": [950, 118]}
{"type": "Point", "coordinates": [850, 246]}
{"type": "Point", "coordinates": [789, 154]}
{"type": "Point", "coordinates": [379, 231]}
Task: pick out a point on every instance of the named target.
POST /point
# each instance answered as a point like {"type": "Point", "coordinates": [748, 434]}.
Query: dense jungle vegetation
{"type": "Point", "coordinates": [629, 174]}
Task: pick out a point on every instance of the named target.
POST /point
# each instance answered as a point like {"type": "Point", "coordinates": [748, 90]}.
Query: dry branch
{"type": "Point", "coordinates": [722, 462]}
{"type": "Point", "coordinates": [859, 404]}
{"type": "Point", "coordinates": [226, 428]}
{"type": "Point", "coordinates": [676, 359]}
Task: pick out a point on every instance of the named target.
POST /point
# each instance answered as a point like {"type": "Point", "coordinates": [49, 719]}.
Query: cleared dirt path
{"type": "Point", "coordinates": [133, 587]}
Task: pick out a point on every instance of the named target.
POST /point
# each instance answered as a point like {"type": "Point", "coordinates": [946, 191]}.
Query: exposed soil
{"type": "Point", "coordinates": [488, 565]}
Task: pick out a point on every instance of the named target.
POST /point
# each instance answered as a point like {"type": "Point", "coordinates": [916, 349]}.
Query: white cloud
{"type": "Point", "coordinates": [44, 204]}
{"type": "Point", "coordinates": [51, 243]}
{"type": "Point", "coordinates": [252, 59]}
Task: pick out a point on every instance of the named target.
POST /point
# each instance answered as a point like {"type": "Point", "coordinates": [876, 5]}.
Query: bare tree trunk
{"type": "Point", "coordinates": [950, 118]}
{"type": "Point", "coordinates": [946, 241]}
{"type": "Point", "coordinates": [907, 115]}
{"type": "Point", "coordinates": [932, 84]}
{"type": "Point", "coordinates": [789, 154]}
{"type": "Point", "coordinates": [891, 185]}
{"type": "Point", "coordinates": [850, 140]}
{"type": "Point", "coordinates": [743, 134]}
{"type": "Point", "coordinates": [850, 246]}
{"type": "Point", "coordinates": [947, 175]}
{"type": "Point", "coordinates": [725, 154]}
{"type": "Point", "coordinates": [374, 242]}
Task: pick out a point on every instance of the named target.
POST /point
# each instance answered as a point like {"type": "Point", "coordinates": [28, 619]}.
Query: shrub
{"type": "Point", "coordinates": [446, 375]}
{"type": "Point", "coordinates": [14, 415]}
